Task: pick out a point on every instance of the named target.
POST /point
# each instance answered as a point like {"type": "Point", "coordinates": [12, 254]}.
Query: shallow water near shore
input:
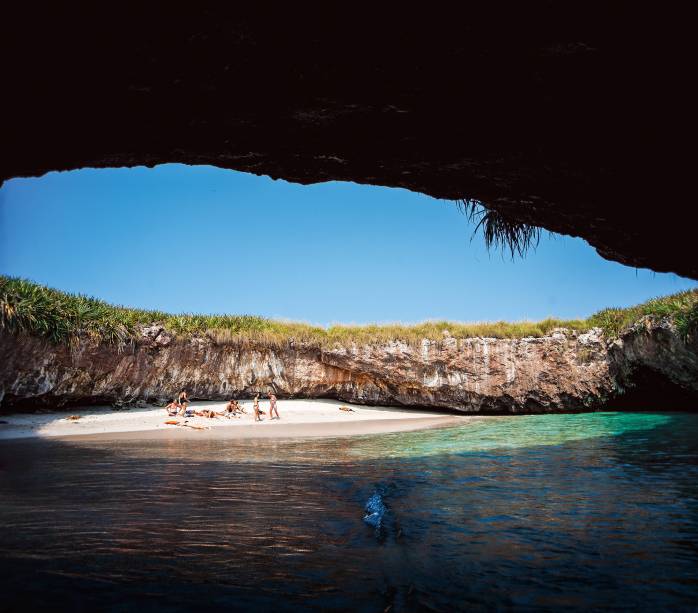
{"type": "Point", "coordinates": [526, 513]}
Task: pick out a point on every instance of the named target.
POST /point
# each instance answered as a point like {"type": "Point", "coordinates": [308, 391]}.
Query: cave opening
{"type": "Point", "coordinates": [651, 391]}
{"type": "Point", "coordinates": [200, 252]}
{"type": "Point", "coordinates": [200, 239]}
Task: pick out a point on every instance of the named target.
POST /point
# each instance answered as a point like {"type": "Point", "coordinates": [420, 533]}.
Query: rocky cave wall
{"type": "Point", "coordinates": [565, 371]}
{"type": "Point", "coordinates": [571, 116]}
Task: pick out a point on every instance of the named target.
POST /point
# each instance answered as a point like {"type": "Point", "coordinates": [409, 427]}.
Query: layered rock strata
{"type": "Point", "coordinates": [564, 371]}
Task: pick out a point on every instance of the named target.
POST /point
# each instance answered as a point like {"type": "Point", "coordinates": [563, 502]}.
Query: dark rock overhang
{"type": "Point", "coordinates": [570, 115]}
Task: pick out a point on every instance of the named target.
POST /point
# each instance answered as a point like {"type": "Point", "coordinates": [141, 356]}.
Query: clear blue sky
{"type": "Point", "coordinates": [201, 239]}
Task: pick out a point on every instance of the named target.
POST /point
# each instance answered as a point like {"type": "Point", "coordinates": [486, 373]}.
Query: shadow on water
{"type": "Point", "coordinates": [526, 513]}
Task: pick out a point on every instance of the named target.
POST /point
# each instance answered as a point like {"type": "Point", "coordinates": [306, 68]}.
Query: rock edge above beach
{"type": "Point", "coordinates": [564, 371]}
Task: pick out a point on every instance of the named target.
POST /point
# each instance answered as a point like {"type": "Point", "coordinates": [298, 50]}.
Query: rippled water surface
{"type": "Point", "coordinates": [523, 513]}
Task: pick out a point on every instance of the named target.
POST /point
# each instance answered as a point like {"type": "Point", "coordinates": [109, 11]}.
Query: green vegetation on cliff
{"type": "Point", "coordinates": [61, 317]}
{"type": "Point", "coordinates": [681, 308]}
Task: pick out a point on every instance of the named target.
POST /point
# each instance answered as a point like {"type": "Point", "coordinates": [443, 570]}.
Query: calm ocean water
{"type": "Point", "coordinates": [515, 513]}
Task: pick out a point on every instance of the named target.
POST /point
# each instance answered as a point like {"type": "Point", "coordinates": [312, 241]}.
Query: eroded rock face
{"type": "Point", "coordinates": [560, 372]}
{"type": "Point", "coordinates": [572, 116]}
{"type": "Point", "coordinates": [564, 371]}
{"type": "Point", "coordinates": [654, 350]}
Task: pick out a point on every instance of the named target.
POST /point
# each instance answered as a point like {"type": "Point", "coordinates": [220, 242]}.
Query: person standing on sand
{"type": "Point", "coordinates": [255, 404]}
{"type": "Point", "coordinates": [272, 407]}
{"type": "Point", "coordinates": [183, 400]}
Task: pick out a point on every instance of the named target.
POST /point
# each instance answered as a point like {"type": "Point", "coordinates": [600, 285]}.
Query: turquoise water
{"type": "Point", "coordinates": [506, 433]}
{"type": "Point", "coordinates": [531, 513]}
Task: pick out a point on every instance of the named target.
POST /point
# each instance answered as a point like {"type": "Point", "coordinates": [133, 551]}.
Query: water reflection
{"type": "Point", "coordinates": [602, 520]}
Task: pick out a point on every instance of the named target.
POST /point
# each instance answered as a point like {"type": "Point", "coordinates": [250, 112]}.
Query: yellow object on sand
{"type": "Point", "coordinates": [346, 409]}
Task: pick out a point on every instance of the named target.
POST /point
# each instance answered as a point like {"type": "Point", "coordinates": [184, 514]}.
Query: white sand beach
{"type": "Point", "coordinates": [299, 418]}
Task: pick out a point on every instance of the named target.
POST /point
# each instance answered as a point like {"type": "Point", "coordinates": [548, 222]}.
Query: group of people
{"type": "Point", "coordinates": [180, 406]}
{"type": "Point", "coordinates": [272, 408]}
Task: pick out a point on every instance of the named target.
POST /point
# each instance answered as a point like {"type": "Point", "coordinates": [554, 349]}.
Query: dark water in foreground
{"type": "Point", "coordinates": [524, 513]}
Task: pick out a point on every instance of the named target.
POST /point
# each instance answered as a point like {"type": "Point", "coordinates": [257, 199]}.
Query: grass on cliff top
{"type": "Point", "coordinates": [681, 308]}
{"type": "Point", "coordinates": [62, 318]}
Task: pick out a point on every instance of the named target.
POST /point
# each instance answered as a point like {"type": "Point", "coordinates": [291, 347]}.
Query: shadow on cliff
{"type": "Point", "coordinates": [654, 392]}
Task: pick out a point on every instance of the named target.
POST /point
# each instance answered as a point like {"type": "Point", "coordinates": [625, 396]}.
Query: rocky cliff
{"type": "Point", "coordinates": [565, 371]}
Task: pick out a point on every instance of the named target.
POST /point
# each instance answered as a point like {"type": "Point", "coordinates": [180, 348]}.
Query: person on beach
{"type": "Point", "coordinates": [172, 408]}
{"type": "Point", "coordinates": [183, 401]}
{"type": "Point", "coordinates": [272, 407]}
{"type": "Point", "coordinates": [255, 405]}
{"type": "Point", "coordinates": [210, 413]}
{"type": "Point", "coordinates": [233, 407]}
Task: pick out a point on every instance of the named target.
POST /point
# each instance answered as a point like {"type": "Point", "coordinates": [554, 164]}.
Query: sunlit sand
{"type": "Point", "coordinates": [299, 418]}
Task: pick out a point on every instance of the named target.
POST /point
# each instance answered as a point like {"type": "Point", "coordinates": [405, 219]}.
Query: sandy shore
{"type": "Point", "coordinates": [299, 418]}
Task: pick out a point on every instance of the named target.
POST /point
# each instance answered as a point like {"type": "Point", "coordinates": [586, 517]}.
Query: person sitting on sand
{"type": "Point", "coordinates": [233, 409]}
{"type": "Point", "coordinates": [172, 408]}
{"type": "Point", "coordinates": [272, 407]}
{"type": "Point", "coordinates": [255, 405]}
